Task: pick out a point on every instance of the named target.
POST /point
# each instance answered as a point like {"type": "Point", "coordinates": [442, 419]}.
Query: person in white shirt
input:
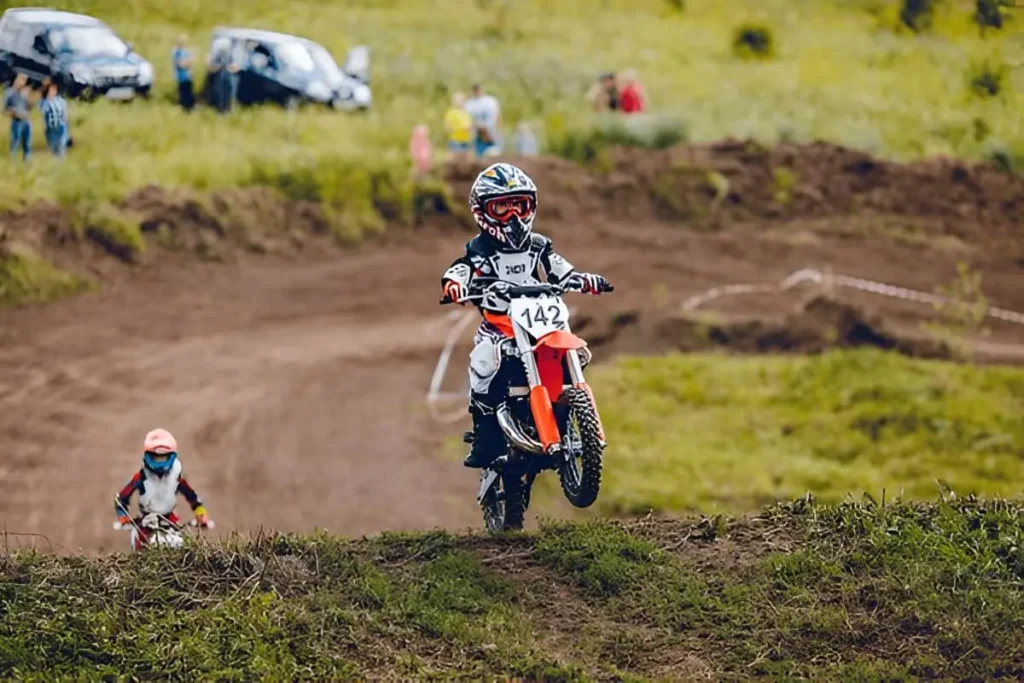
{"type": "Point", "coordinates": [486, 113]}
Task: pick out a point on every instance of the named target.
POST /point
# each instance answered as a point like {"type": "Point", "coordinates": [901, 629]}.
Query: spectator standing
{"type": "Point", "coordinates": [182, 58]}
{"type": "Point", "coordinates": [420, 150]}
{"type": "Point", "coordinates": [526, 141]}
{"type": "Point", "coordinates": [54, 109]}
{"type": "Point", "coordinates": [224, 69]}
{"type": "Point", "coordinates": [458, 124]}
{"type": "Point", "coordinates": [17, 106]}
{"type": "Point", "coordinates": [631, 99]}
{"type": "Point", "coordinates": [604, 95]}
{"type": "Point", "coordinates": [486, 113]}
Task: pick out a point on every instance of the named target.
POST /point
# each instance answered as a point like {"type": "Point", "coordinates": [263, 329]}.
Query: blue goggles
{"type": "Point", "coordinates": [159, 462]}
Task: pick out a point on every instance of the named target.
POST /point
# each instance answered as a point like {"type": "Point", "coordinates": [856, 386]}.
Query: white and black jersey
{"type": "Point", "coordinates": [483, 264]}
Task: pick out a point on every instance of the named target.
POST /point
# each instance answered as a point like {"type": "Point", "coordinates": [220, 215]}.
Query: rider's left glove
{"type": "Point", "coordinates": [589, 283]}
{"type": "Point", "coordinates": [202, 518]}
{"type": "Point", "coordinates": [123, 522]}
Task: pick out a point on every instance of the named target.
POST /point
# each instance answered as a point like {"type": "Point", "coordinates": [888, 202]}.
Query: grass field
{"type": "Point", "coordinates": [842, 71]}
{"type": "Point", "coordinates": [719, 433]}
{"type": "Point", "coordinates": [855, 592]}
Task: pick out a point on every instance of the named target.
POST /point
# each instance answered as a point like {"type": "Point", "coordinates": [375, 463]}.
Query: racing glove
{"type": "Point", "coordinates": [123, 522]}
{"type": "Point", "coordinates": [588, 283]}
{"type": "Point", "coordinates": [453, 292]}
{"type": "Point", "coordinates": [202, 518]}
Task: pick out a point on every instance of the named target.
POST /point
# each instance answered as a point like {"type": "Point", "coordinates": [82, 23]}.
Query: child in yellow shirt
{"type": "Point", "coordinates": [459, 126]}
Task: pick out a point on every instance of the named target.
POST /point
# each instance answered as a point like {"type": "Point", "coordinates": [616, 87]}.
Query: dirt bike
{"type": "Point", "coordinates": [549, 417]}
{"type": "Point", "coordinates": [154, 529]}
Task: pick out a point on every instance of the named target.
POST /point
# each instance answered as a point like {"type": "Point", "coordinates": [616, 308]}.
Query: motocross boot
{"type": "Point", "coordinates": [487, 439]}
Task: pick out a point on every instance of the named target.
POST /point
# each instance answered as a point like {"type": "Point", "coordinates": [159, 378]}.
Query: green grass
{"type": "Point", "coordinates": [802, 590]}
{"type": "Point", "coordinates": [27, 278]}
{"type": "Point", "coordinates": [718, 433]}
{"type": "Point", "coordinates": [841, 70]}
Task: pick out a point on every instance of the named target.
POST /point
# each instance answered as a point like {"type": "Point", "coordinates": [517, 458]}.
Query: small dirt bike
{"type": "Point", "coordinates": [549, 417]}
{"type": "Point", "coordinates": [156, 530]}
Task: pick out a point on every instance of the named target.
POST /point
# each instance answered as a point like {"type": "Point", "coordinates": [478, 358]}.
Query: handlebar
{"type": "Point", "coordinates": [515, 291]}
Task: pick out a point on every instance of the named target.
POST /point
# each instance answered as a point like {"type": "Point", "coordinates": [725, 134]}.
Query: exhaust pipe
{"type": "Point", "coordinates": [514, 434]}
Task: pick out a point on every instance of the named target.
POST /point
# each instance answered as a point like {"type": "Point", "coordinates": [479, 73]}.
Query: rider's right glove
{"type": "Point", "coordinates": [202, 519]}
{"type": "Point", "coordinates": [453, 293]}
{"type": "Point", "coordinates": [123, 522]}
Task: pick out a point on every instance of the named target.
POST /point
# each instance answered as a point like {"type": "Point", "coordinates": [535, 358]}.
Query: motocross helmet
{"type": "Point", "coordinates": [503, 200]}
{"type": "Point", "coordinates": [160, 451]}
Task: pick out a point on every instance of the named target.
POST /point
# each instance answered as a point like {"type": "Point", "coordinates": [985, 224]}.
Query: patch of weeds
{"type": "Point", "coordinates": [918, 15]}
{"type": "Point", "coordinates": [27, 278]}
{"type": "Point", "coordinates": [987, 79]}
{"type": "Point", "coordinates": [117, 232]}
{"type": "Point", "coordinates": [586, 143]}
{"type": "Point", "coordinates": [991, 14]}
{"type": "Point", "coordinates": [784, 183]}
{"type": "Point", "coordinates": [753, 41]}
{"type": "Point", "coordinates": [962, 311]}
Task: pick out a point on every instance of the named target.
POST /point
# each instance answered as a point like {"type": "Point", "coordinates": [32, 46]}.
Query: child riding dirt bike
{"type": "Point", "coordinates": [506, 253]}
{"type": "Point", "coordinates": [158, 484]}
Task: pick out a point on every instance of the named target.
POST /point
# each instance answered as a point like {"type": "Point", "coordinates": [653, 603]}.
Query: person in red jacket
{"type": "Point", "coordinates": [631, 97]}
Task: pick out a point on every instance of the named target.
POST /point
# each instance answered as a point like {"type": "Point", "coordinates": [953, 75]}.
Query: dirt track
{"type": "Point", "coordinates": [296, 389]}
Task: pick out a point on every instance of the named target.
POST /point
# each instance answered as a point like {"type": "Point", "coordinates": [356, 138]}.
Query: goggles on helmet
{"type": "Point", "coordinates": [503, 208]}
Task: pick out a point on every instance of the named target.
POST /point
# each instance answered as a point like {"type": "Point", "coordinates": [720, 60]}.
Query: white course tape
{"type": "Point", "coordinates": [816, 276]}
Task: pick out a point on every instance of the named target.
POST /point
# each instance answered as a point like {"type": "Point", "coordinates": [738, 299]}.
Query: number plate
{"type": "Point", "coordinates": [120, 94]}
{"type": "Point", "coordinates": [540, 316]}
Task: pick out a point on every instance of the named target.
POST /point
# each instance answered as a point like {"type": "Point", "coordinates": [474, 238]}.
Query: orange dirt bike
{"type": "Point", "coordinates": [549, 416]}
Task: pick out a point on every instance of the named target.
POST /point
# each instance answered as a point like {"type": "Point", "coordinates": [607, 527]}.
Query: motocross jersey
{"type": "Point", "coordinates": [158, 494]}
{"type": "Point", "coordinates": [483, 264]}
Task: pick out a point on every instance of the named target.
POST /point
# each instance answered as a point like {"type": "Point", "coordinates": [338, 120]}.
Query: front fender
{"type": "Point", "coordinates": [561, 340]}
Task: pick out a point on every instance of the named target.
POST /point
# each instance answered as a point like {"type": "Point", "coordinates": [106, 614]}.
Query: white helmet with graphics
{"type": "Point", "coordinates": [504, 202]}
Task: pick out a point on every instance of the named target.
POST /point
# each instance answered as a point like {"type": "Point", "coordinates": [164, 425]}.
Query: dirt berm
{"type": "Point", "coordinates": [293, 372]}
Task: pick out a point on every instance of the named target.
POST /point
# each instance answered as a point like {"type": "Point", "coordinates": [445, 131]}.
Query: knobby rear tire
{"type": "Point", "coordinates": [582, 483]}
{"type": "Point", "coordinates": [506, 514]}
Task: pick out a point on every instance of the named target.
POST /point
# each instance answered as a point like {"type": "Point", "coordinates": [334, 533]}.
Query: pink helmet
{"type": "Point", "coordinates": [160, 441]}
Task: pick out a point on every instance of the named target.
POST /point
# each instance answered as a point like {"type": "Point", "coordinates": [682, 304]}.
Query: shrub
{"type": "Point", "coordinates": [27, 278]}
{"type": "Point", "coordinates": [987, 79]}
{"type": "Point", "coordinates": [117, 232]}
{"type": "Point", "coordinates": [753, 41]}
{"type": "Point", "coordinates": [918, 15]}
{"type": "Point", "coordinates": [588, 143]}
{"type": "Point", "coordinates": [990, 13]}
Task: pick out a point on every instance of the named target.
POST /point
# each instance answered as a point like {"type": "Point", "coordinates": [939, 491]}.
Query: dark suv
{"type": "Point", "coordinates": [81, 54]}
{"type": "Point", "coordinates": [289, 70]}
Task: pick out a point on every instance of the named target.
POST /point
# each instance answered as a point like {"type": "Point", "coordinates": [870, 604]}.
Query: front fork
{"type": "Point", "coordinates": [540, 400]}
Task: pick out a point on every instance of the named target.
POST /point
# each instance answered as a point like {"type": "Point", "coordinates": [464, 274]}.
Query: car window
{"type": "Point", "coordinates": [295, 56]}
{"type": "Point", "coordinates": [88, 41]}
{"type": "Point", "coordinates": [325, 62]}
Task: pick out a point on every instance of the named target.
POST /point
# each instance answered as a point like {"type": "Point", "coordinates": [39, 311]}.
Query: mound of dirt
{"type": "Point", "coordinates": [802, 591]}
{"type": "Point", "coordinates": [712, 185]}
{"type": "Point", "coordinates": [817, 324]}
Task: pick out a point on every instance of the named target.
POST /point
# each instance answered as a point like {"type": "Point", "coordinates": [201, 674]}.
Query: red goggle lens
{"type": "Point", "coordinates": [503, 208]}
